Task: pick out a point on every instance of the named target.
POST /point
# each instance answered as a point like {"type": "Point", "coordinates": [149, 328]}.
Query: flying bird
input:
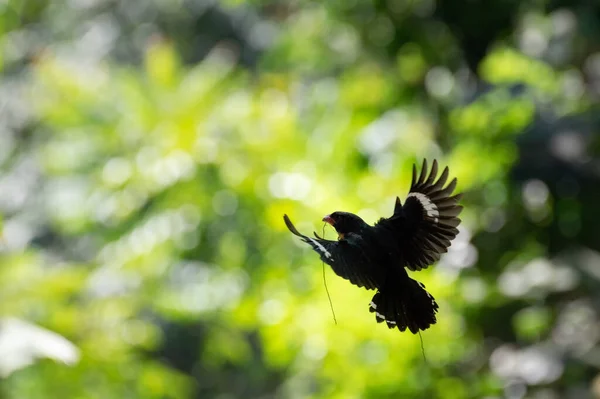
{"type": "Point", "coordinates": [376, 257]}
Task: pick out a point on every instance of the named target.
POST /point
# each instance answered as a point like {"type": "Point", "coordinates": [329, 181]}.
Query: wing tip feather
{"type": "Point", "coordinates": [291, 226]}
{"type": "Point", "coordinates": [414, 176]}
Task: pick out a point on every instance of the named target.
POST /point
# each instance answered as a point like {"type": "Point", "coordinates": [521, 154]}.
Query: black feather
{"type": "Point", "coordinates": [414, 237]}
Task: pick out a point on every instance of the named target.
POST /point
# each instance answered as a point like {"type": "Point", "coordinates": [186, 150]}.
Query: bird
{"type": "Point", "coordinates": [377, 257]}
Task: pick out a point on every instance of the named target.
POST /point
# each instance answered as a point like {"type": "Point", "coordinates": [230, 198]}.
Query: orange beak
{"type": "Point", "coordinates": [329, 219]}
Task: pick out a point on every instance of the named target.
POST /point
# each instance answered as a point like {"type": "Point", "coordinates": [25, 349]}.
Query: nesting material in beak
{"type": "Point", "coordinates": [329, 219]}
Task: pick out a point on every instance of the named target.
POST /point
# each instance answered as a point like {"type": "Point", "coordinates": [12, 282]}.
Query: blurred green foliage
{"type": "Point", "coordinates": [150, 150]}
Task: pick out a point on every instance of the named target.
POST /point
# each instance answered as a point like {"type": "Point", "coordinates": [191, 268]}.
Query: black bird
{"type": "Point", "coordinates": [375, 257]}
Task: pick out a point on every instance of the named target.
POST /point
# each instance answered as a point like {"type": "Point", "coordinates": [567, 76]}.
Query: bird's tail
{"type": "Point", "coordinates": [404, 304]}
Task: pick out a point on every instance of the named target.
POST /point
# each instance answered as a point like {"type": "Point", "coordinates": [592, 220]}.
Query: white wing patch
{"type": "Point", "coordinates": [321, 248]}
{"type": "Point", "coordinates": [373, 306]}
{"type": "Point", "coordinates": [430, 207]}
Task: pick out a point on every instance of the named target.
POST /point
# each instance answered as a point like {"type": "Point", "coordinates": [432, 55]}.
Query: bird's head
{"type": "Point", "coordinates": [345, 222]}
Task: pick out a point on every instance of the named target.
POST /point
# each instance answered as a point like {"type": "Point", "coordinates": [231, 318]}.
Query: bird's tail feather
{"type": "Point", "coordinates": [409, 306]}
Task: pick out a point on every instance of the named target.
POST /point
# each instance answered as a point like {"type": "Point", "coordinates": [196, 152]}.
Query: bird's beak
{"type": "Point", "coordinates": [329, 219]}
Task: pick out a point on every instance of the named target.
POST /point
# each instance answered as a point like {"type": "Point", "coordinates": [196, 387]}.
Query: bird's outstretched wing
{"type": "Point", "coordinates": [347, 257]}
{"type": "Point", "coordinates": [426, 224]}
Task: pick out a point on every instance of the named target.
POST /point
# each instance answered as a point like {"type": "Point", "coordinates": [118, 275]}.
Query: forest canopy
{"type": "Point", "coordinates": [149, 150]}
